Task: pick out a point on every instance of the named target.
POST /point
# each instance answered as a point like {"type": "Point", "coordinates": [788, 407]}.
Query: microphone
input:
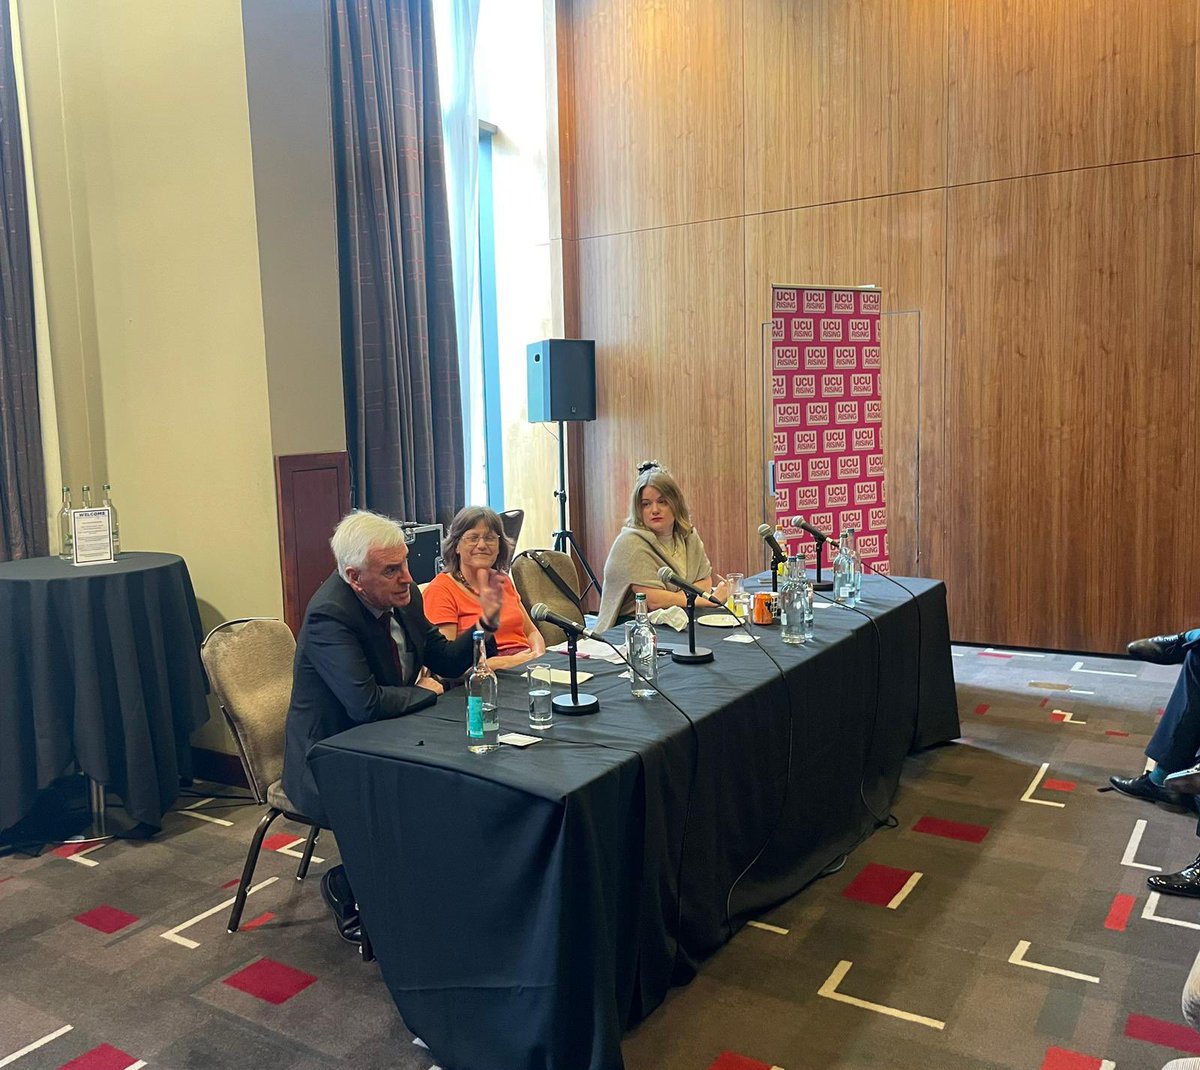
{"type": "Point", "coordinates": [541, 611]}
{"type": "Point", "coordinates": [767, 534]}
{"type": "Point", "coordinates": [816, 533]}
{"type": "Point", "coordinates": [669, 575]}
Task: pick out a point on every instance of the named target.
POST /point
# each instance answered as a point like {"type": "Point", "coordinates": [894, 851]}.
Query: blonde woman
{"type": "Point", "coordinates": [657, 532]}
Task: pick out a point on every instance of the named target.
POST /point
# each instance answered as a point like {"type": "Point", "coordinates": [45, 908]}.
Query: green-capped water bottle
{"type": "Point", "coordinates": [483, 718]}
{"type": "Point", "coordinates": [107, 502]}
{"type": "Point", "coordinates": [843, 572]}
{"type": "Point", "coordinates": [856, 565]}
{"type": "Point", "coordinates": [791, 602]}
{"type": "Point", "coordinates": [641, 647]}
{"type": "Point", "coordinates": [66, 538]}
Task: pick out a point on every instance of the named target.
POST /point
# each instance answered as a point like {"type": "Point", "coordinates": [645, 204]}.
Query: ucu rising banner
{"type": "Point", "coordinates": [828, 417]}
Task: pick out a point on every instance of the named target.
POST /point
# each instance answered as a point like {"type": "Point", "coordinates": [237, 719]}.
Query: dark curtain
{"type": "Point", "coordinates": [399, 352]}
{"type": "Point", "coordinates": [23, 529]}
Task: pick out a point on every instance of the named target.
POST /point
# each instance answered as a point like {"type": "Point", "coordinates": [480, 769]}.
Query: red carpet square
{"type": "Point", "coordinates": [1058, 715]}
{"type": "Point", "coordinates": [270, 981]}
{"type": "Point", "coordinates": [728, 1060]}
{"type": "Point", "coordinates": [1058, 785]}
{"type": "Point", "coordinates": [1061, 1059]}
{"type": "Point", "coordinates": [877, 884]}
{"type": "Point", "coordinates": [262, 919]}
{"type": "Point", "coordinates": [983, 707]}
{"type": "Point", "coordinates": [1118, 914]}
{"type": "Point", "coordinates": [69, 849]}
{"type": "Point", "coordinates": [952, 830]}
{"type": "Point", "coordinates": [1113, 732]}
{"type": "Point", "coordinates": [279, 839]}
{"type": "Point", "coordinates": [105, 1057]}
{"type": "Point", "coordinates": [1168, 1034]}
{"type": "Point", "coordinates": [106, 919]}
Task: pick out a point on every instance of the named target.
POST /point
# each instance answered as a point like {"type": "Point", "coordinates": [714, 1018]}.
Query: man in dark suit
{"type": "Point", "coordinates": [365, 653]}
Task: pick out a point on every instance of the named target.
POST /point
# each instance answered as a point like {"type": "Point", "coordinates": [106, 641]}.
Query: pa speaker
{"type": "Point", "coordinates": [562, 380]}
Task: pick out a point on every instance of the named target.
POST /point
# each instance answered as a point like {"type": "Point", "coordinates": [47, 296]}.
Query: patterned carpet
{"type": "Point", "coordinates": [1004, 923]}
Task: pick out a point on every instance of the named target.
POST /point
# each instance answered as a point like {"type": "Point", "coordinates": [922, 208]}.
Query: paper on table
{"type": "Point", "coordinates": [592, 648]}
{"type": "Point", "coordinates": [741, 637]}
{"type": "Point", "coordinates": [562, 676]}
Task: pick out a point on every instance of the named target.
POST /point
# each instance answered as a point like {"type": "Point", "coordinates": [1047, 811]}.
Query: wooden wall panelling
{"type": "Point", "coordinates": [658, 112]}
{"type": "Point", "coordinates": [665, 307]}
{"type": "Point", "coordinates": [896, 243]}
{"type": "Point", "coordinates": [1072, 394]}
{"type": "Point", "coordinates": [1047, 85]}
{"type": "Point", "coordinates": [844, 99]}
{"type": "Point", "coordinates": [313, 494]}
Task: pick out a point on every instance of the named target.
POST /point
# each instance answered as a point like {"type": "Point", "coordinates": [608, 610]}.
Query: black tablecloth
{"type": "Point", "coordinates": [527, 906]}
{"type": "Point", "coordinates": [99, 665]}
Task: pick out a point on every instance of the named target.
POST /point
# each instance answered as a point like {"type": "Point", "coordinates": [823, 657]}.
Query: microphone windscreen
{"type": "Point", "coordinates": [666, 574]}
{"type": "Point", "coordinates": [764, 530]}
{"type": "Point", "coordinates": [539, 611]}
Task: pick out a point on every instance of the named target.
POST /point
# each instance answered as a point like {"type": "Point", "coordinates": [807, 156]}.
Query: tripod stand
{"type": "Point", "coordinates": [565, 537]}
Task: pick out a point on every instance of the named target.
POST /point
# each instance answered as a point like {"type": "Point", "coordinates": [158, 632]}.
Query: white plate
{"type": "Point", "coordinates": [718, 620]}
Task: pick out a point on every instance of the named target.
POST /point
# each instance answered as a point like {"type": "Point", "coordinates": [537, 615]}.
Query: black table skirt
{"type": "Point", "coordinates": [528, 906]}
{"type": "Point", "coordinates": [100, 666]}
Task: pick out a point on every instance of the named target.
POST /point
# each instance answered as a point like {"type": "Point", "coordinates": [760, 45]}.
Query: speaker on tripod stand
{"type": "Point", "coordinates": [562, 389]}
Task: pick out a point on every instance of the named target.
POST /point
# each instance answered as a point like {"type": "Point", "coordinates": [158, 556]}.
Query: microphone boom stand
{"type": "Point", "coordinates": [565, 537]}
{"type": "Point", "coordinates": [691, 656]}
{"type": "Point", "coordinates": [577, 702]}
{"type": "Point", "coordinates": [820, 584]}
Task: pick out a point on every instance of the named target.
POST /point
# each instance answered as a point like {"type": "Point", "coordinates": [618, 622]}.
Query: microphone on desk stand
{"type": "Point", "coordinates": [577, 702]}
{"type": "Point", "coordinates": [693, 655]}
{"type": "Point", "coordinates": [767, 534]}
{"type": "Point", "coordinates": [821, 538]}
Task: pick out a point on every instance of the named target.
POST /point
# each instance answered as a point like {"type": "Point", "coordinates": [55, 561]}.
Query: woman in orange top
{"type": "Point", "coordinates": [475, 544]}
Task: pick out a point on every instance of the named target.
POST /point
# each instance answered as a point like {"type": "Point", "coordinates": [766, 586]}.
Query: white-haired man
{"type": "Point", "coordinates": [364, 654]}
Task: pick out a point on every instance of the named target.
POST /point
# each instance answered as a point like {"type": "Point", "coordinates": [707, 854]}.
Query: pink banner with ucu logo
{"type": "Point", "coordinates": [827, 427]}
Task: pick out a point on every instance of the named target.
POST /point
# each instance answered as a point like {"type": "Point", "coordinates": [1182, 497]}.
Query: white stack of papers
{"type": "Point", "coordinates": [592, 648]}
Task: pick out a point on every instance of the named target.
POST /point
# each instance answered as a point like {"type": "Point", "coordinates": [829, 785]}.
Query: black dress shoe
{"type": "Point", "coordinates": [1185, 882]}
{"type": "Point", "coordinates": [339, 897]}
{"type": "Point", "coordinates": [352, 934]}
{"type": "Point", "coordinates": [1161, 649]}
{"type": "Point", "coordinates": [1142, 787]}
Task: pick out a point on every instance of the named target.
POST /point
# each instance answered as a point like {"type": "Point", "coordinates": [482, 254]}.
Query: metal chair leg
{"type": "Point", "coordinates": [309, 844]}
{"type": "Point", "coordinates": [365, 949]}
{"type": "Point", "coordinates": [239, 903]}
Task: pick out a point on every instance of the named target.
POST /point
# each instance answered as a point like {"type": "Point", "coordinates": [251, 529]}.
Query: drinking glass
{"type": "Point", "coordinates": [541, 712]}
{"type": "Point", "coordinates": [739, 597]}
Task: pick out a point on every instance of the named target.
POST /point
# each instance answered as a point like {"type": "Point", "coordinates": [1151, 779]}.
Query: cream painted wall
{"type": "Point", "coordinates": [287, 76]}
{"type": "Point", "coordinates": [141, 139]}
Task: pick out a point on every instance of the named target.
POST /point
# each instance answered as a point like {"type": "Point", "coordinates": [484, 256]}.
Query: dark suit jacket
{"type": "Point", "coordinates": [344, 674]}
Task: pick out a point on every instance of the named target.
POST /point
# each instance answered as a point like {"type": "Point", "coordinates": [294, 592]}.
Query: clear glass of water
{"type": "Point", "coordinates": [541, 712]}
{"type": "Point", "coordinates": [739, 598]}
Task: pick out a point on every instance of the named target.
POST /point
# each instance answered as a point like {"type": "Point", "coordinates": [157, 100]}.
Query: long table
{"type": "Point", "coordinates": [529, 905]}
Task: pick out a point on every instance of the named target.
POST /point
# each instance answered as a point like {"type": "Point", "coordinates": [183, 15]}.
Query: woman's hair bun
{"type": "Point", "coordinates": [645, 466]}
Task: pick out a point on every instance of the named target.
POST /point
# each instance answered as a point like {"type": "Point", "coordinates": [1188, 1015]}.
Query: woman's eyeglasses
{"type": "Point", "coordinates": [474, 540]}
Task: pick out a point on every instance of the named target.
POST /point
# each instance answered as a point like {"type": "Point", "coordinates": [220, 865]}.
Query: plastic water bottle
{"type": "Point", "coordinates": [483, 719]}
{"type": "Point", "coordinates": [843, 572]}
{"type": "Point", "coordinates": [809, 600]}
{"type": "Point", "coordinates": [641, 648]}
{"type": "Point", "coordinates": [791, 602]}
{"type": "Point", "coordinates": [66, 538]}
